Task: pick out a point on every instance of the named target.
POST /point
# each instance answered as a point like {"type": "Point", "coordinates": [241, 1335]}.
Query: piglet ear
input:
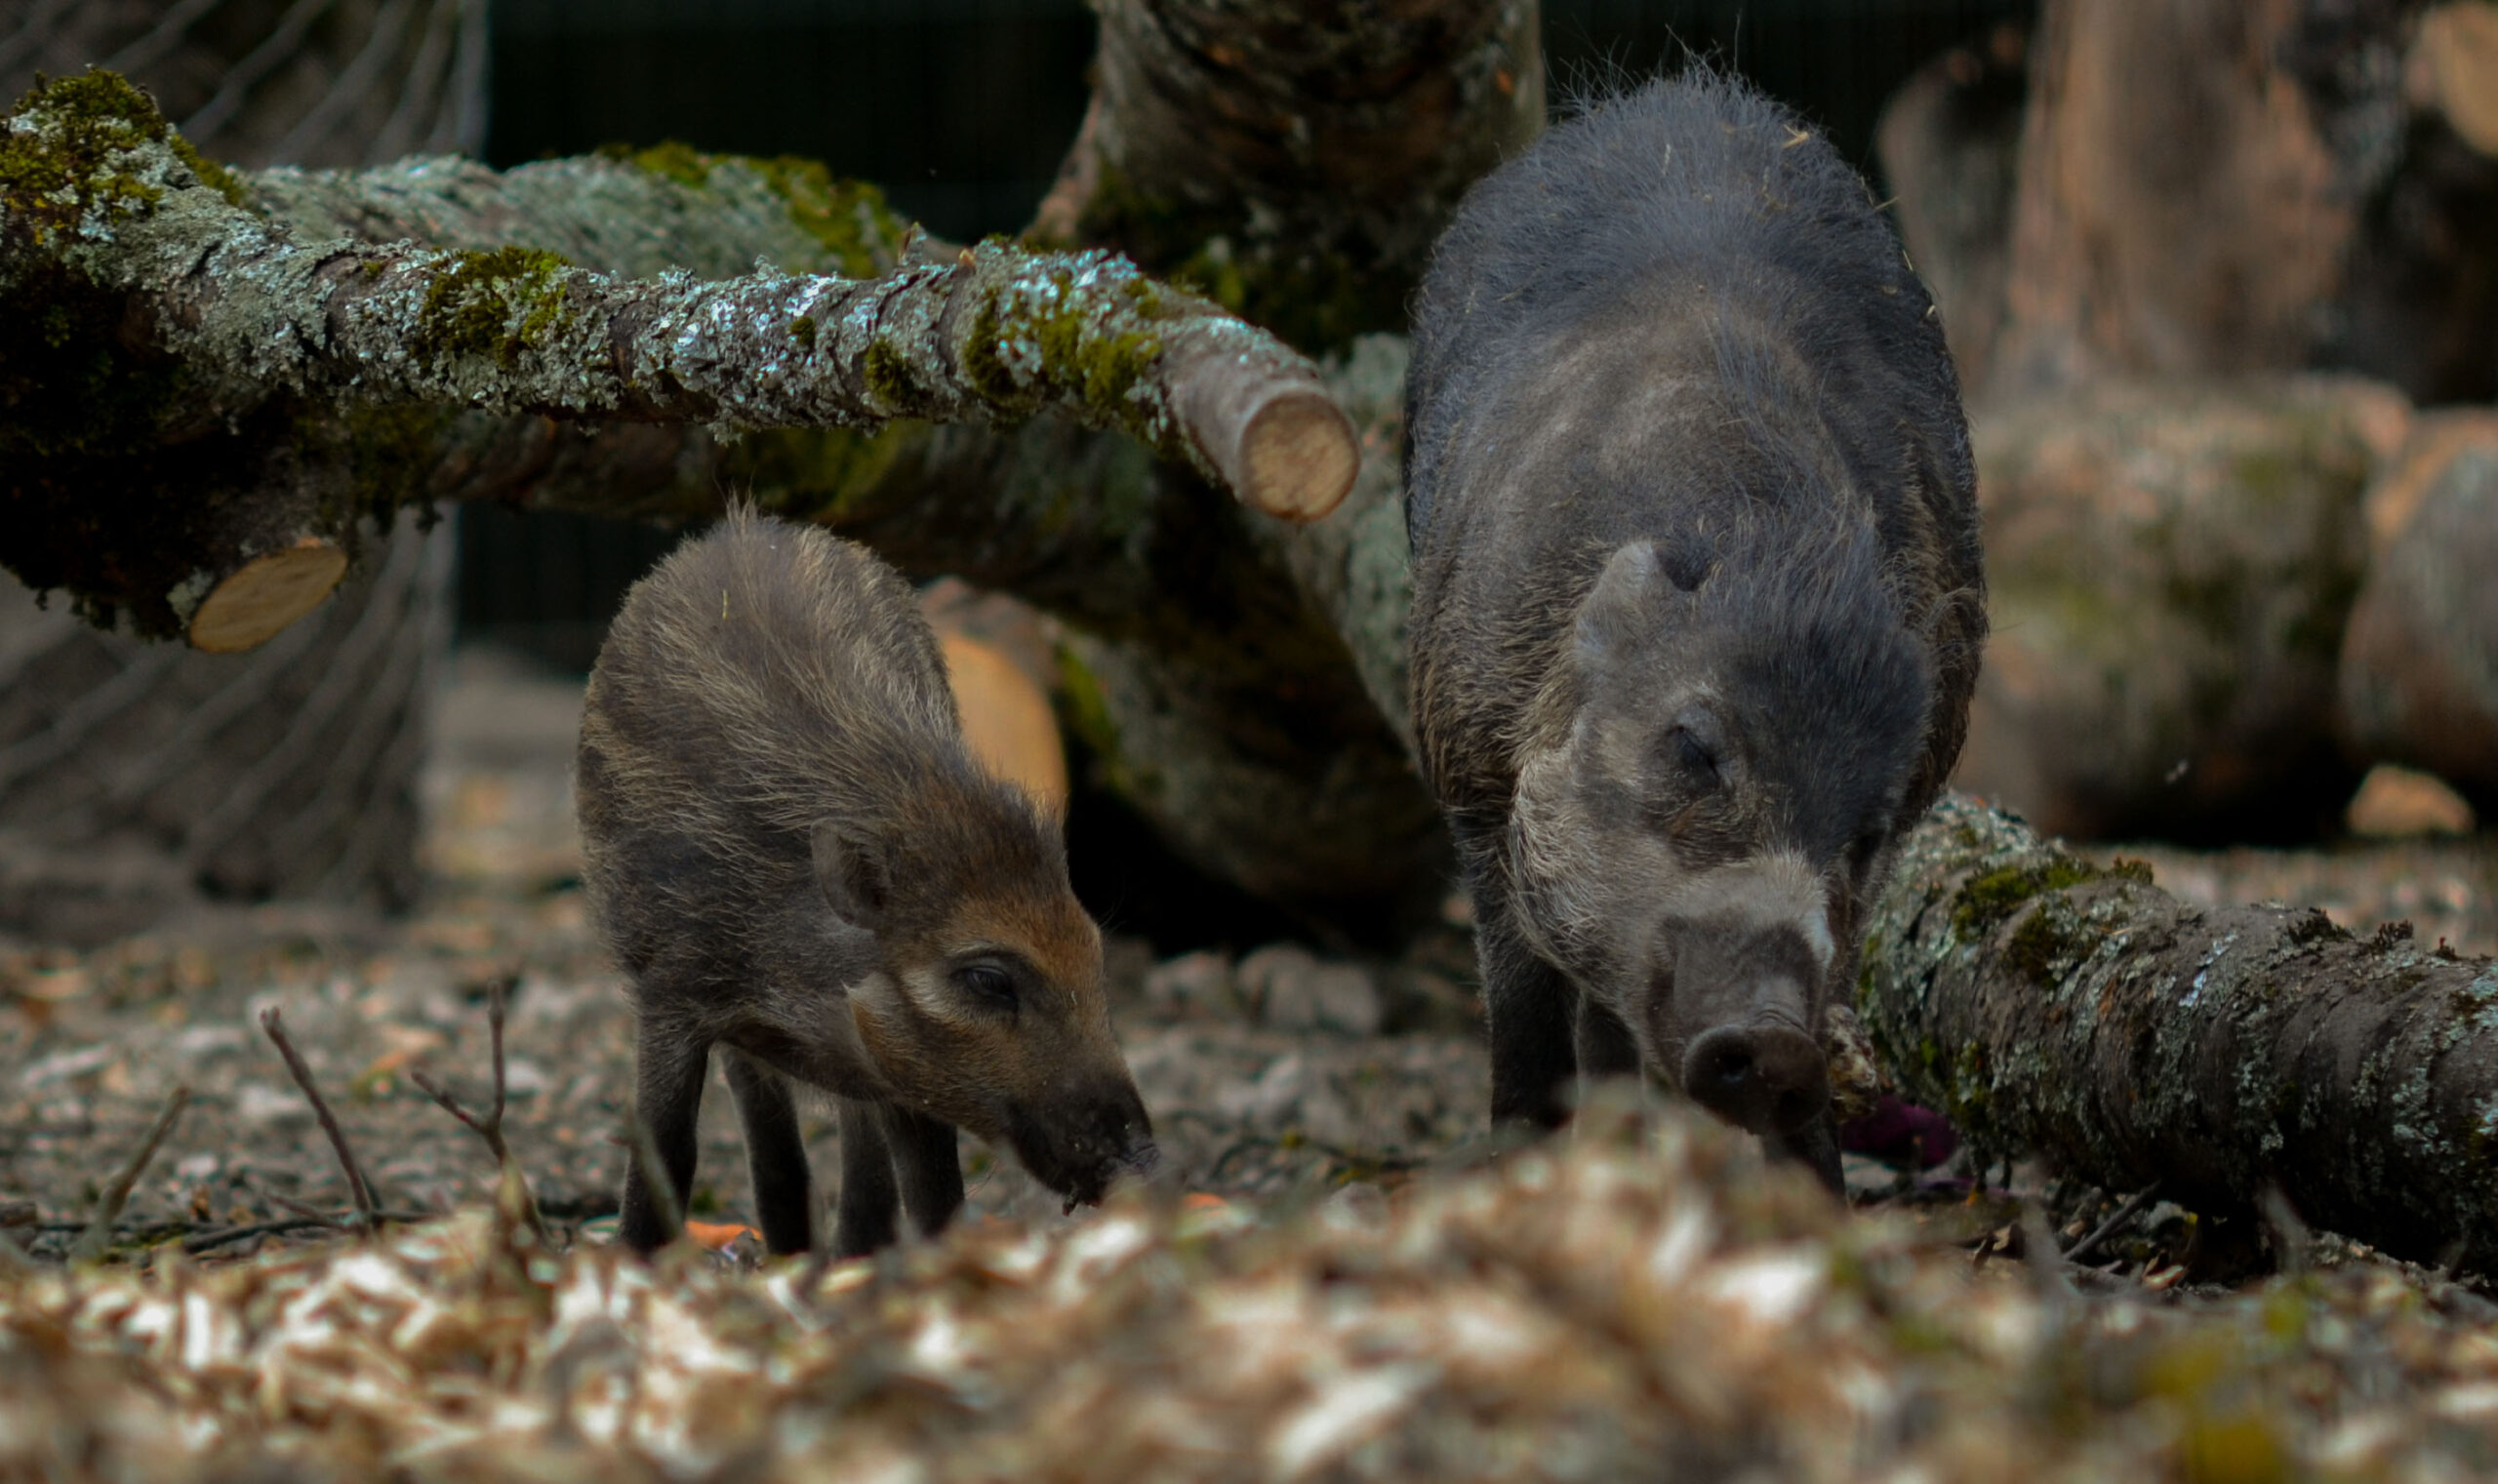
{"type": "Point", "coordinates": [854, 873]}
{"type": "Point", "coordinates": [1621, 604]}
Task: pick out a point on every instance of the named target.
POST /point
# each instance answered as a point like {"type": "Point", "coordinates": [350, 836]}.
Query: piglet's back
{"type": "Point", "coordinates": [763, 678]}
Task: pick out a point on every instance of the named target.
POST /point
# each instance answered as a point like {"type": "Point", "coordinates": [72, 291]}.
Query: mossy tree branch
{"type": "Point", "coordinates": [2048, 1004]}
{"type": "Point", "coordinates": [220, 316]}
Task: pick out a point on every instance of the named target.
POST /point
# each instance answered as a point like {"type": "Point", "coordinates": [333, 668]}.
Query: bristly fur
{"type": "Point", "coordinates": [795, 856]}
{"type": "Point", "coordinates": [1689, 478]}
{"type": "Point", "coordinates": [1809, 363]}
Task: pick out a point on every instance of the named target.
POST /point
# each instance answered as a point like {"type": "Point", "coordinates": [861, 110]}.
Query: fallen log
{"type": "Point", "coordinates": [2419, 666]}
{"type": "Point", "coordinates": [2049, 1004]}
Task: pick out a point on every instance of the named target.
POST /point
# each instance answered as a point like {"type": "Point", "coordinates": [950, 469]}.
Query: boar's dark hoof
{"type": "Point", "coordinates": [1765, 1078]}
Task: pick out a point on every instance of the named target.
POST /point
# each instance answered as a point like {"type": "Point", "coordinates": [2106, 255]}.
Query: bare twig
{"type": "Point", "coordinates": [306, 1211]}
{"type": "Point", "coordinates": [226, 1236]}
{"type": "Point", "coordinates": [358, 1188]}
{"type": "Point", "coordinates": [98, 1235]}
{"type": "Point", "coordinates": [2115, 1220]}
{"type": "Point", "coordinates": [515, 1191]}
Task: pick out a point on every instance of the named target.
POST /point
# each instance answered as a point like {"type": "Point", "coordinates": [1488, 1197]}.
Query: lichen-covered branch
{"type": "Point", "coordinates": [251, 310]}
{"type": "Point", "coordinates": [153, 308]}
{"type": "Point", "coordinates": [2051, 1005]}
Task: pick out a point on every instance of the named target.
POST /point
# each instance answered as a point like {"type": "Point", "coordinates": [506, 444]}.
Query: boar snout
{"type": "Point", "coordinates": [1767, 1078]}
{"type": "Point", "coordinates": [1078, 1147]}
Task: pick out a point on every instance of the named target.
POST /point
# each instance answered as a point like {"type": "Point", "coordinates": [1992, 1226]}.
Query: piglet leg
{"type": "Point", "coordinates": [932, 1176]}
{"type": "Point", "coordinates": [864, 1214]}
{"type": "Point", "coordinates": [668, 1067]}
{"type": "Point", "coordinates": [775, 1155]}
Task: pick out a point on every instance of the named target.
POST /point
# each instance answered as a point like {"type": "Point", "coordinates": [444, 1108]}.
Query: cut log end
{"type": "Point", "coordinates": [1295, 458]}
{"type": "Point", "coordinates": [264, 595]}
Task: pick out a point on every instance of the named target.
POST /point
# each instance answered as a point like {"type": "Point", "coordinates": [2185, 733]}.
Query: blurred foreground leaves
{"type": "Point", "coordinates": [1639, 1298]}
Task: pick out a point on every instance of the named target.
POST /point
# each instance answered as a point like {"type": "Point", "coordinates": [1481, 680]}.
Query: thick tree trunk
{"type": "Point", "coordinates": [2214, 188]}
{"type": "Point", "coordinates": [1297, 160]}
{"type": "Point", "coordinates": [2047, 1004]}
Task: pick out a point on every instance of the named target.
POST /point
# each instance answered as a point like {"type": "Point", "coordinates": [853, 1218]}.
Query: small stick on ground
{"type": "Point", "coordinates": [365, 1207]}
{"type": "Point", "coordinates": [93, 1242]}
{"type": "Point", "coordinates": [2115, 1220]}
{"type": "Point", "coordinates": [514, 1181]}
{"type": "Point", "coordinates": [306, 1211]}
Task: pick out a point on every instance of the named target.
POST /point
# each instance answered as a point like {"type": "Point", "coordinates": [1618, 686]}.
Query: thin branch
{"type": "Point", "coordinates": [307, 1212]}
{"type": "Point", "coordinates": [366, 1215]}
{"type": "Point", "coordinates": [514, 1182]}
{"type": "Point", "coordinates": [2116, 1218]}
{"type": "Point", "coordinates": [306, 1220]}
{"type": "Point", "coordinates": [226, 1236]}
{"type": "Point", "coordinates": [93, 1242]}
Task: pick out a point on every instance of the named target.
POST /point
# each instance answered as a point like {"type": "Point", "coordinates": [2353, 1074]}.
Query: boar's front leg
{"type": "Point", "coordinates": [668, 1067]}
{"type": "Point", "coordinates": [932, 1175]}
{"type": "Point", "coordinates": [865, 1212]}
{"type": "Point", "coordinates": [775, 1155]}
{"type": "Point", "coordinates": [1526, 1010]}
{"type": "Point", "coordinates": [1814, 1147]}
{"type": "Point", "coordinates": [1605, 1045]}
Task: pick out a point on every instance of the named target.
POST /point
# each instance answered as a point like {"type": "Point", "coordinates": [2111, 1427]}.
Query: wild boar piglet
{"type": "Point", "coordinates": [1697, 594]}
{"type": "Point", "coordinates": [795, 860]}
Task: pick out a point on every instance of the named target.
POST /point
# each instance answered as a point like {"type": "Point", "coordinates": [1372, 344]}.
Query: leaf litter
{"type": "Point", "coordinates": [1340, 1279]}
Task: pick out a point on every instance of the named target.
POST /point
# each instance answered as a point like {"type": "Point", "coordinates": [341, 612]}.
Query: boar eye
{"type": "Point", "coordinates": [1694, 756]}
{"type": "Point", "coordinates": [987, 984]}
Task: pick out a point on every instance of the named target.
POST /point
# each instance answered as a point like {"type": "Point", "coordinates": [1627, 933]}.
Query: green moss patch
{"type": "Point", "coordinates": [849, 218]}
{"type": "Point", "coordinates": [65, 154]}
{"type": "Point", "coordinates": [1992, 898]}
{"type": "Point", "coordinates": [492, 304]}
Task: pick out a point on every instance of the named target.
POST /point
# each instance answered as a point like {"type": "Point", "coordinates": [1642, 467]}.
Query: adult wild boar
{"type": "Point", "coordinates": [1698, 602]}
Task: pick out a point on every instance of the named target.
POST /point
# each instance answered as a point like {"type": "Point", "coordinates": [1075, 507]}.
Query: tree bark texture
{"type": "Point", "coordinates": [2170, 568]}
{"type": "Point", "coordinates": [233, 316]}
{"type": "Point", "coordinates": [2419, 665]}
{"type": "Point", "coordinates": [1296, 160]}
{"type": "Point", "coordinates": [2048, 1004]}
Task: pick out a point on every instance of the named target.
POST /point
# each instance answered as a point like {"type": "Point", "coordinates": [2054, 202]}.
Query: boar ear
{"type": "Point", "coordinates": [1622, 605]}
{"type": "Point", "coordinates": [854, 875]}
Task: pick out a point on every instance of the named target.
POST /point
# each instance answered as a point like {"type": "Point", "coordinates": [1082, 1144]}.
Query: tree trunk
{"type": "Point", "coordinates": [1297, 160]}
{"type": "Point", "coordinates": [2214, 188]}
{"type": "Point", "coordinates": [2047, 1004]}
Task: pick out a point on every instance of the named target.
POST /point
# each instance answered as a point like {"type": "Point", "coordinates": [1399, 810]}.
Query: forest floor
{"type": "Point", "coordinates": [1272, 1115]}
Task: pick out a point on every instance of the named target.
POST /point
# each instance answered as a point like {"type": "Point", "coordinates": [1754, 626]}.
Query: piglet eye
{"type": "Point", "coordinates": [987, 984]}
